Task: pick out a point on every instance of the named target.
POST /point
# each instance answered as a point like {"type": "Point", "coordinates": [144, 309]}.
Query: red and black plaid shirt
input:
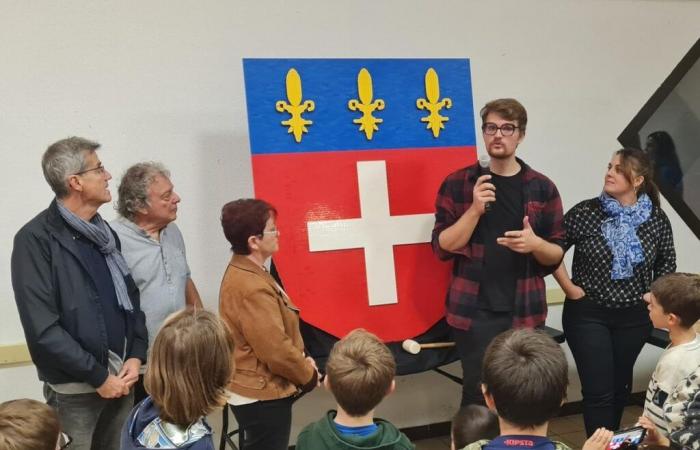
{"type": "Point", "coordinates": [542, 205]}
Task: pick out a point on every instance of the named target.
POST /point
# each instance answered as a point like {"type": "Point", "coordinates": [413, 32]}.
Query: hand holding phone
{"type": "Point", "coordinates": [626, 439]}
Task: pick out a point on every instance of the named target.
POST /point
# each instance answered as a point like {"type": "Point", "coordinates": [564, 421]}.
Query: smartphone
{"type": "Point", "coordinates": [629, 438]}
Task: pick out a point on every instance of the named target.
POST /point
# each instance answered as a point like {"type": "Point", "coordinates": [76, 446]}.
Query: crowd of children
{"type": "Point", "coordinates": [524, 383]}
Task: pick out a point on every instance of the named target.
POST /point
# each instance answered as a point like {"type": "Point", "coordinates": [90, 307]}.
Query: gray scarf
{"type": "Point", "coordinates": [99, 233]}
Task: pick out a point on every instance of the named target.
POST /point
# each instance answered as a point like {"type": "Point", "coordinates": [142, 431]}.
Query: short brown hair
{"type": "Point", "coordinates": [28, 425]}
{"type": "Point", "coordinates": [244, 218]}
{"type": "Point", "coordinates": [360, 370]}
{"type": "Point", "coordinates": [473, 423]}
{"type": "Point", "coordinates": [679, 294]}
{"type": "Point", "coordinates": [507, 108]}
{"type": "Point", "coordinates": [526, 373]}
{"type": "Point", "coordinates": [189, 366]}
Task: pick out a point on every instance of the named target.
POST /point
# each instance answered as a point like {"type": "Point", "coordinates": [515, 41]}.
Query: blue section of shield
{"type": "Point", "coordinates": [331, 83]}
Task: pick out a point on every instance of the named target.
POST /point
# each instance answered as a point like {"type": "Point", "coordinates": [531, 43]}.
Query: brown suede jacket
{"type": "Point", "coordinates": [269, 351]}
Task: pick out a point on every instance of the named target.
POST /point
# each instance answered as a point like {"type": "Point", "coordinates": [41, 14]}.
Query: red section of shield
{"type": "Point", "coordinates": [330, 287]}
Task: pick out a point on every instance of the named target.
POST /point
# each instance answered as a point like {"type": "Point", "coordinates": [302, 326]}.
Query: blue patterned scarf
{"type": "Point", "coordinates": [620, 231]}
{"type": "Point", "coordinates": [98, 232]}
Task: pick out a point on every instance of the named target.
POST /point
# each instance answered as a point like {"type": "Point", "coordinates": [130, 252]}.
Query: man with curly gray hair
{"type": "Point", "coordinates": [153, 246]}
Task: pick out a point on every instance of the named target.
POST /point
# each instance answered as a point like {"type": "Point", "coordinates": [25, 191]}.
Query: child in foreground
{"type": "Point", "coordinates": [188, 370]}
{"type": "Point", "coordinates": [524, 381]}
{"type": "Point", "coordinates": [30, 425]}
{"type": "Point", "coordinates": [674, 304]}
{"type": "Point", "coordinates": [472, 423]}
{"type": "Point", "coordinates": [359, 373]}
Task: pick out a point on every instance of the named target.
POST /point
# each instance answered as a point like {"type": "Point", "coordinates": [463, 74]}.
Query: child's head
{"type": "Point", "coordinates": [189, 366]}
{"type": "Point", "coordinates": [360, 372]}
{"type": "Point", "coordinates": [28, 425]}
{"type": "Point", "coordinates": [524, 377]}
{"type": "Point", "coordinates": [678, 295]}
{"type": "Point", "coordinates": [472, 423]}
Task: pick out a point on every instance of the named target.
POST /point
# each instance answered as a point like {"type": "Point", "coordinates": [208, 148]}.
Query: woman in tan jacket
{"type": "Point", "coordinates": [271, 368]}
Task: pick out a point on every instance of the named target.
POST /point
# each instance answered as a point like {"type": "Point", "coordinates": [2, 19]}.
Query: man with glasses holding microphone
{"type": "Point", "coordinates": [502, 225]}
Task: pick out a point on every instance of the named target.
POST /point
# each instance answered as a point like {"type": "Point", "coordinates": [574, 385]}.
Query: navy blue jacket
{"type": "Point", "coordinates": [143, 414]}
{"type": "Point", "coordinates": [58, 305]}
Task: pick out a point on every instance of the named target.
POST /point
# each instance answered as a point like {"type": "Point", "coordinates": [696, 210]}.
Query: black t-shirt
{"type": "Point", "coordinates": [501, 265]}
{"type": "Point", "coordinates": [114, 317]}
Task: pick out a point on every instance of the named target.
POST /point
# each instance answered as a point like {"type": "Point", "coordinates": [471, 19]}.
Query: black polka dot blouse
{"type": "Point", "coordinates": [592, 263]}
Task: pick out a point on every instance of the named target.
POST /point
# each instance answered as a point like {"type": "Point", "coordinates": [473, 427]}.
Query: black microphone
{"type": "Point", "coordinates": [485, 169]}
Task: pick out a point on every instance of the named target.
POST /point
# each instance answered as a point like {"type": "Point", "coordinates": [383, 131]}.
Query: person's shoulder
{"type": "Point", "coordinates": [560, 445]}
{"type": "Point", "coordinates": [659, 214]}
{"type": "Point", "coordinates": [588, 205]}
{"type": "Point", "coordinates": [684, 354]}
{"type": "Point", "coordinates": [125, 230]}
{"type": "Point", "coordinates": [478, 445]}
{"type": "Point", "coordinates": [310, 433]}
{"type": "Point", "coordinates": [540, 186]}
{"type": "Point", "coordinates": [35, 228]}
{"type": "Point", "coordinates": [174, 235]}
{"type": "Point", "coordinates": [675, 362]}
{"type": "Point", "coordinates": [530, 174]}
{"type": "Point", "coordinates": [118, 223]}
{"type": "Point", "coordinates": [463, 174]}
{"type": "Point", "coordinates": [242, 276]}
{"type": "Point", "coordinates": [173, 229]}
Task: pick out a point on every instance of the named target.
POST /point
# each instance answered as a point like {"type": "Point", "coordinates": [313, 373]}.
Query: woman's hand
{"type": "Point", "coordinates": [311, 361]}
{"type": "Point", "coordinates": [599, 440]}
{"type": "Point", "coordinates": [574, 292]}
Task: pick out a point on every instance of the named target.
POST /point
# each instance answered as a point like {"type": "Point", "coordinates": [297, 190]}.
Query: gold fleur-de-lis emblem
{"type": "Point", "coordinates": [295, 107]}
{"type": "Point", "coordinates": [433, 104]}
{"type": "Point", "coordinates": [368, 123]}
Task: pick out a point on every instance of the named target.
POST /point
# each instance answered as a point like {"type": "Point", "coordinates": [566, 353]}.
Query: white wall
{"type": "Point", "coordinates": [162, 80]}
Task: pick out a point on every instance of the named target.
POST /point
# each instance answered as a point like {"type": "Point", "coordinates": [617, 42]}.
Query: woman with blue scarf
{"type": "Point", "coordinates": [623, 241]}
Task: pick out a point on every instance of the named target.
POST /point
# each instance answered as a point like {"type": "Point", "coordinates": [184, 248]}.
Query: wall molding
{"type": "Point", "coordinates": [14, 354]}
{"type": "Point", "coordinates": [18, 354]}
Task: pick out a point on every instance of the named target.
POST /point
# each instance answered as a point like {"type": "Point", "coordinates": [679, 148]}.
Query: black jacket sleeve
{"type": "Point", "coordinates": [50, 345]}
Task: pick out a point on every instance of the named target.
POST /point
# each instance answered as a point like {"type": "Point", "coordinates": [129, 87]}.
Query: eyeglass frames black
{"type": "Point", "coordinates": [507, 129]}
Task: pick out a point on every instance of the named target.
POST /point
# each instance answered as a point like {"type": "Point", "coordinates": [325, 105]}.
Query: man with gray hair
{"type": "Point", "coordinates": [153, 246]}
{"type": "Point", "coordinates": [78, 304]}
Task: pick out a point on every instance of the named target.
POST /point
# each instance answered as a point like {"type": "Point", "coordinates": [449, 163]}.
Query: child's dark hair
{"type": "Point", "coordinates": [472, 423]}
{"type": "Point", "coordinates": [360, 370]}
{"type": "Point", "coordinates": [679, 294]}
{"type": "Point", "coordinates": [526, 374]}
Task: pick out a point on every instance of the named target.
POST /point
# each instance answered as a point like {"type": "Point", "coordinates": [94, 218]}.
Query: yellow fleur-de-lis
{"type": "Point", "coordinates": [368, 123]}
{"type": "Point", "coordinates": [433, 103]}
{"type": "Point", "coordinates": [295, 107]}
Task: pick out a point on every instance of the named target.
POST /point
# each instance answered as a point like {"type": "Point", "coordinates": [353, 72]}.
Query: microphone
{"type": "Point", "coordinates": [485, 169]}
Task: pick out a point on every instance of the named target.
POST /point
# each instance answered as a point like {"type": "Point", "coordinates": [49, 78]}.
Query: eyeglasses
{"type": "Point", "coordinates": [64, 440]}
{"type": "Point", "coordinates": [507, 129]}
{"type": "Point", "coordinates": [274, 232]}
{"type": "Point", "coordinates": [99, 169]}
